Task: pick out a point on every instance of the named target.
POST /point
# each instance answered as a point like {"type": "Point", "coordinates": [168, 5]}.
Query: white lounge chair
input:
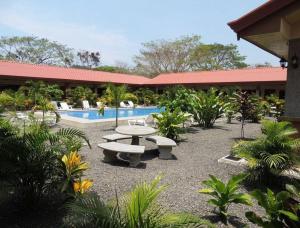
{"type": "Point", "coordinates": [126, 104]}
{"type": "Point", "coordinates": [85, 104]}
{"type": "Point", "coordinates": [148, 121]}
{"type": "Point", "coordinates": [22, 116]}
{"type": "Point", "coordinates": [54, 103]}
{"type": "Point", "coordinates": [64, 106]}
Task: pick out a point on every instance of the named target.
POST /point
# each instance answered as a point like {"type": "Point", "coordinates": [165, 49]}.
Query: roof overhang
{"type": "Point", "coordinates": [271, 26]}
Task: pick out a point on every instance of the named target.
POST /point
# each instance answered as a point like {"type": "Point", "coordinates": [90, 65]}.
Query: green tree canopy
{"type": "Point", "coordinates": [217, 57]}
{"type": "Point", "coordinates": [166, 55]}
{"type": "Point", "coordinates": [187, 53]}
{"type": "Point", "coordinates": [35, 50]}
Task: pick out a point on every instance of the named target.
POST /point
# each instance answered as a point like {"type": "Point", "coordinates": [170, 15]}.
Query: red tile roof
{"type": "Point", "coordinates": [240, 76]}
{"type": "Point", "coordinates": [25, 71]}
{"type": "Point", "coordinates": [270, 7]}
{"type": "Point", "coordinates": [31, 71]}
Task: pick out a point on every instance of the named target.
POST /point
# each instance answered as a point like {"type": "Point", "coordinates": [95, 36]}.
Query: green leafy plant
{"type": "Point", "coordinates": [208, 106]}
{"type": "Point", "coordinates": [131, 97]}
{"type": "Point", "coordinates": [276, 105]}
{"type": "Point", "coordinates": [138, 208]}
{"type": "Point", "coordinates": [116, 94]}
{"type": "Point", "coordinates": [30, 162]}
{"type": "Point", "coordinates": [272, 153]}
{"type": "Point", "coordinates": [257, 110]}
{"type": "Point", "coordinates": [244, 106]}
{"type": "Point", "coordinates": [274, 205]}
{"type": "Point", "coordinates": [225, 194]}
{"type": "Point", "coordinates": [170, 123]}
{"type": "Point", "coordinates": [146, 96]}
{"type": "Point", "coordinates": [177, 97]}
{"type": "Point", "coordinates": [80, 93]}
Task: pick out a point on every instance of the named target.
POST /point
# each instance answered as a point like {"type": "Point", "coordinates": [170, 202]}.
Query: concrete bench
{"type": "Point", "coordinates": [164, 144]}
{"type": "Point", "coordinates": [115, 137]}
{"type": "Point", "coordinates": [110, 150]}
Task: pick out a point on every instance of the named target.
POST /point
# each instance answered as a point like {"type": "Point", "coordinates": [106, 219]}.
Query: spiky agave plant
{"type": "Point", "coordinates": [272, 153]}
{"type": "Point", "coordinates": [138, 208]}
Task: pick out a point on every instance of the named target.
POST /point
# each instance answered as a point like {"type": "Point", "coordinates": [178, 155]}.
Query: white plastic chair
{"type": "Point", "coordinates": [148, 121]}
{"type": "Point", "coordinates": [64, 106]}
{"type": "Point", "coordinates": [85, 104]}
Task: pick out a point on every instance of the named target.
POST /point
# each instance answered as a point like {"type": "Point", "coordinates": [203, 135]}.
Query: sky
{"type": "Point", "coordinates": [117, 28]}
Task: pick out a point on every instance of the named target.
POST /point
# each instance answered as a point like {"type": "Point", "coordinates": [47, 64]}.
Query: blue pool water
{"type": "Point", "coordinates": [111, 113]}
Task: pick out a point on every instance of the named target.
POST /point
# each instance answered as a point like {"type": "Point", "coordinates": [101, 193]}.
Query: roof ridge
{"type": "Point", "coordinates": [67, 68]}
{"type": "Point", "coordinates": [224, 70]}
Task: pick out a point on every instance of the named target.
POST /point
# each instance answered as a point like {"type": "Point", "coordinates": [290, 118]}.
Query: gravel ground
{"type": "Point", "coordinates": [195, 158]}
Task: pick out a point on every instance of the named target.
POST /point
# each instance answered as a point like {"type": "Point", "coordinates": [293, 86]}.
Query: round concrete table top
{"type": "Point", "coordinates": [135, 130]}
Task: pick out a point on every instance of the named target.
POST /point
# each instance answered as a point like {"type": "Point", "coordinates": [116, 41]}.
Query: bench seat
{"type": "Point", "coordinates": [110, 150]}
{"type": "Point", "coordinates": [164, 144]}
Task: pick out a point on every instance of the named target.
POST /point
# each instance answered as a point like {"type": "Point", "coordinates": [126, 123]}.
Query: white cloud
{"type": "Point", "coordinates": [113, 46]}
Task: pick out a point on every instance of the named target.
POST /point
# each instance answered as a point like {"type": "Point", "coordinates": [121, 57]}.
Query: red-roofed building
{"type": "Point", "coordinates": [275, 27]}
{"type": "Point", "coordinates": [261, 80]}
{"type": "Point", "coordinates": [254, 79]}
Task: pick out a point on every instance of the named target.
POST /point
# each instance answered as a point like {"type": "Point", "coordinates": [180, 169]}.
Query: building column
{"type": "Point", "coordinates": [292, 104]}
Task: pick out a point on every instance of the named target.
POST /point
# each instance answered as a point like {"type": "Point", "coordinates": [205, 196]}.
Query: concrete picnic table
{"type": "Point", "coordinates": [135, 131]}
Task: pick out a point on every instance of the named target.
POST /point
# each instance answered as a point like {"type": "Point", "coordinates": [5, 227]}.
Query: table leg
{"type": "Point", "coordinates": [135, 140]}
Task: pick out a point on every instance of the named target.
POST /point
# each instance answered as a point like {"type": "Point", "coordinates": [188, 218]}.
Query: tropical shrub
{"type": "Point", "coordinates": [138, 208]}
{"type": "Point", "coordinates": [115, 93]}
{"type": "Point", "coordinates": [37, 89]}
{"type": "Point", "coordinates": [177, 97]}
{"type": "Point", "coordinates": [225, 194]}
{"type": "Point", "coordinates": [146, 96]}
{"type": "Point", "coordinates": [207, 107]}
{"type": "Point", "coordinates": [230, 108]}
{"type": "Point", "coordinates": [30, 162]}
{"type": "Point", "coordinates": [80, 93]}
{"type": "Point", "coordinates": [276, 105]}
{"type": "Point", "coordinates": [244, 106]}
{"type": "Point", "coordinates": [257, 110]}
{"type": "Point", "coordinates": [272, 153]}
{"type": "Point", "coordinates": [131, 97]}
{"type": "Point", "coordinates": [170, 123]}
{"type": "Point", "coordinates": [73, 168]}
{"type": "Point", "coordinates": [6, 101]}
{"type": "Point", "coordinates": [277, 214]}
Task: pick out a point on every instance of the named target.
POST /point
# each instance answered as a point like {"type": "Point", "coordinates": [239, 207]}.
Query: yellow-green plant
{"type": "Point", "coordinates": [138, 208]}
{"type": "Point", "coordinates": [73, 169]}
{"type": "Point", "coordinates": [225, 194]}
{"type": "Point", "coordinates": [82, 186]}
{"type": "Point", "coordinates": [272, 153]}
{"type": "Point", "coordinates": [170, 123]}
{"type": "Point", "coordinates": [277, 213]}
{"type": "Point", "coordinates": [207, 107]}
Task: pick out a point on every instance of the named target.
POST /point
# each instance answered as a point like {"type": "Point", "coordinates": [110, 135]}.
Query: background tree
{"type": "Point", "coordinates": [89, 59]}
{"type": "Point", "coordinates": [112, 69]}
{"type": "Point", "coordinates": [80, 93]}
{"type": "Point", "coordinates": [38, 89]}
{"type": "Point", "coordinates": [34, 50]}
{"type": "Point", "coordinates": [217, 57]}
{"type": "Point", "coordinates": [166, 55]}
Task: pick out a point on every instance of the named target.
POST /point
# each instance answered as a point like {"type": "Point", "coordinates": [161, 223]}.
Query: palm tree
{"type": "Point", "coordinates": [138, 208]}
{"type": "Point", "coordinates": [116, 94]}
{"type": "Point", "coordinates": [272, 153]}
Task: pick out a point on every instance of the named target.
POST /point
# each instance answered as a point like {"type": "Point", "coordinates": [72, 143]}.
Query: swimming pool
{"type": "Point", "coordinates": [111, 113]}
